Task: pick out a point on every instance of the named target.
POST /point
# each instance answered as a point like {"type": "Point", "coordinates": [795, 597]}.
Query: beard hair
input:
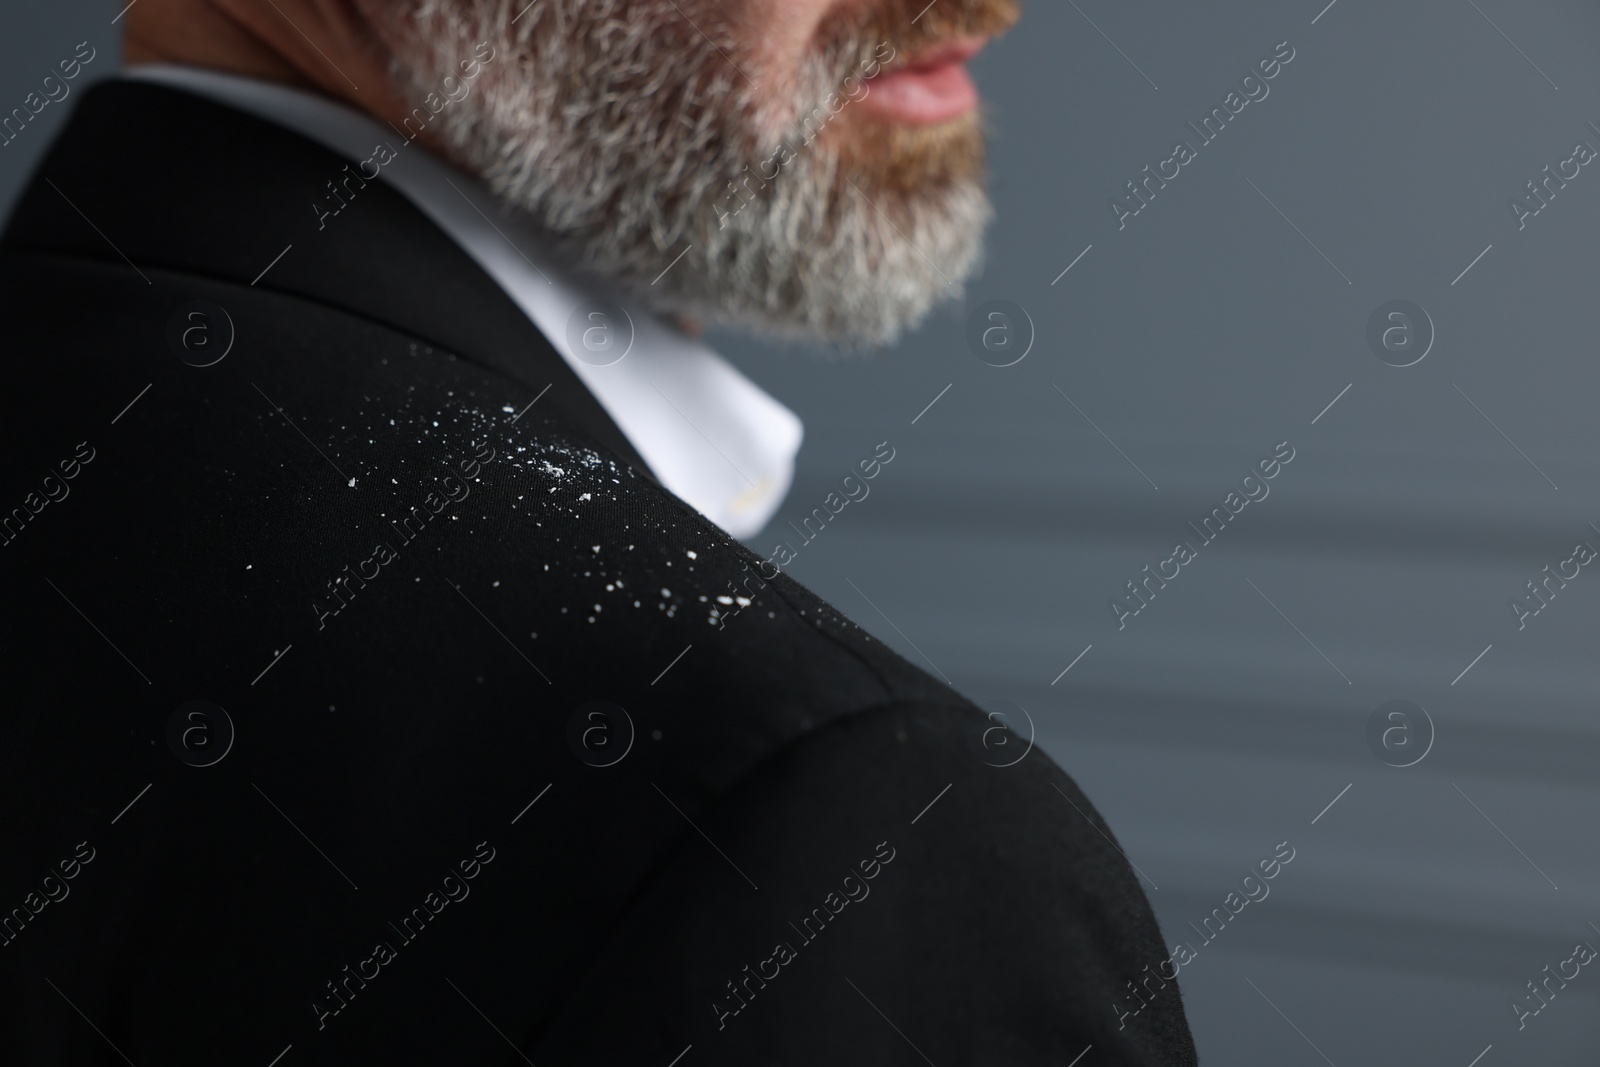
{"type": "Point", "coordinates": [621, 127]}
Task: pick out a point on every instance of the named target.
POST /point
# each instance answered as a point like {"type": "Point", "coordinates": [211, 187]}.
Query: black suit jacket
{"type": "Point", "coordinates": [352, 716]}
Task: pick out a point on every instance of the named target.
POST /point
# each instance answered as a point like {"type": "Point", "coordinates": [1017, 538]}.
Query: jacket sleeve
{"type": "Point", "coordinates": [884, 891]}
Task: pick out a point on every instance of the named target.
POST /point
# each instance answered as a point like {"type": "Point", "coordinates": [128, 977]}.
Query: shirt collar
{"type": "Point", "coordinates": [708, 433]}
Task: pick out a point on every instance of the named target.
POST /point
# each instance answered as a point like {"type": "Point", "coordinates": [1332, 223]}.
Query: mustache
{"type": "Point", "coordinates": [850, 38]}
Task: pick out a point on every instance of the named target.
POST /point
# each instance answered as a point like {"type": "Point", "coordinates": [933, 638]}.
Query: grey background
{"type": "Point", "coordinates": [1196, 339]}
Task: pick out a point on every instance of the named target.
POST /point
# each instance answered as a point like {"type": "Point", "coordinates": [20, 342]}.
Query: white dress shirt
{"type": "Point", "coordinates": [708, 433]}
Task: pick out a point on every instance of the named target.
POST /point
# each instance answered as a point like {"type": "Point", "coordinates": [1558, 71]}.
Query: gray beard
{"type": "Point", "coordinates": [618, 126]}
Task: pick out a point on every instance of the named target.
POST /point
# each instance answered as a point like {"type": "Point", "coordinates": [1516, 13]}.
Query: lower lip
{"type": "Point", "coordinates": [922, 96]}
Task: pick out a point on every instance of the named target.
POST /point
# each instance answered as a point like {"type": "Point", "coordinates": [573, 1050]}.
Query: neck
{"type": "Point", "coordinates": [198, 33]}
{"type": "Point", "coordinates": [323, 46]}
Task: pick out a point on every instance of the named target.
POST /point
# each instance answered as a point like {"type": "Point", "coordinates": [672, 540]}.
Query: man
{"type": "Point", "coordinates": [385, 684]}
